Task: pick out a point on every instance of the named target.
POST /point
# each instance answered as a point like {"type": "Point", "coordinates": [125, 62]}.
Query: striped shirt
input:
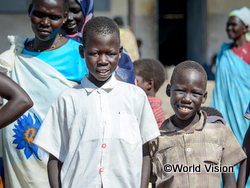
{"type": "Point", "coordinates": [200, 154]}
{"type": "Point", "coordinates": [155, 104]}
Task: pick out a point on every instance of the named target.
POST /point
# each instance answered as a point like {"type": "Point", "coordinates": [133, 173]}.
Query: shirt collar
{"type": "Point", "coordinates": [90, 87]}
{"type": "Point", "coordinates": [168, 126]}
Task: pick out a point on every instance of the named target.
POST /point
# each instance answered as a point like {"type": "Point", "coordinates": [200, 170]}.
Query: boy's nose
{"type": "Point", "coordinates": [103, 59]}
{"type": "Point", "coordinates": [187, 98]}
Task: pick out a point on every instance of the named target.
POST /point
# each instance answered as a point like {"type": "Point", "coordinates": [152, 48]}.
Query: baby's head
{"type": "Point", "coordinates": [101, 48]}
{"type": "Point", "coordinates": [187, 90]}
{"type": "Point", "coordinates": [150, 75]}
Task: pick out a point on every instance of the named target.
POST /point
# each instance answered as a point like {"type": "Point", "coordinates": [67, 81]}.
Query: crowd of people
{"type": "Point", "coordinates": [78, 112]}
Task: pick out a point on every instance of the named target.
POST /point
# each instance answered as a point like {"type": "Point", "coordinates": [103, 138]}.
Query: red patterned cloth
{"type": "Point", "coordinates": [243, 52]}
{"type": "Point", "coordinates": [155, 104]}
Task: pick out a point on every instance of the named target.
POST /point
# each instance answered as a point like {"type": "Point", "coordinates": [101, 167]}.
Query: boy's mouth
{"type": "Point", "coordinates": [184, 109]}
{"type": "Point", "coordinates": [103, 72]}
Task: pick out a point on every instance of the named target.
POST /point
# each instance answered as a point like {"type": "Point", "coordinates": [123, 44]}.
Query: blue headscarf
{"type": "Point", "coordinates": [88, 10]}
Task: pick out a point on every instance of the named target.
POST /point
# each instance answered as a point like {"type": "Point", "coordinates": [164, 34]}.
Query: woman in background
{"type": "Point", "coordinates": [78, 13]}
{"type": "Point", "coordinates": [232, 80]}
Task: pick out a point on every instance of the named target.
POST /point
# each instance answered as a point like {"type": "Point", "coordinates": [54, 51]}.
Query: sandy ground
{"type": "Point", "coordinates": [166, 100]}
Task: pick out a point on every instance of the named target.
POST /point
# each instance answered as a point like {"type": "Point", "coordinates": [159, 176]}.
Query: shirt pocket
{"type": "Point", "coordinates": [213, 153]}
{"type": "Point", "coordinates": [129, 128]}
{"type": "Point", "coordinates": [163, 161]}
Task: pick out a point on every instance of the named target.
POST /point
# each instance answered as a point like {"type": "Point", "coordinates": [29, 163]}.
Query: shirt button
{"type": "Point", "coordinates": [104, 145]}
{"type": "Point", "coordinates": [104, 123]}
{"type": "Point", "coordinates": [188, 149]}
{"type": "Point", "coordinates": [101, 170]}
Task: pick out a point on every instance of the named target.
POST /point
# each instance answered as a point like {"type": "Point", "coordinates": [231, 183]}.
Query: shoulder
{"type": "Point", "coordinates": [130, 88]}
{"type": "Point", "coordinates": [73, 43]}
{"type": "Point", "coordinates": [71, 93]}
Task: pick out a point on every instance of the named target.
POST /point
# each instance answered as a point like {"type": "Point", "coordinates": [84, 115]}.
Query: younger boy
{"type": "Point", "coordinates": [95, 131]}
{"type": "Point", "coordinates": [190, 151]}
{"type": "Point", "coordinates": [150, 76]}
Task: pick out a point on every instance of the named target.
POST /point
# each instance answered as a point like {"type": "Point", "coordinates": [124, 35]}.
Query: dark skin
{"type": "Point", "coordinates": [187, 93]}
{"type": "Point", "coordinates": [147, 86]}
{"type": "Point", "coordinates": [236, 31]}
{"type": "Point", "coordinates": [18, 101]}
{"type": "Point", "coordinates": [101, 53]}
{"type": "Point", "coordinates": [244, 170]}
{"type": "Point", "coordinates": [47, 17]}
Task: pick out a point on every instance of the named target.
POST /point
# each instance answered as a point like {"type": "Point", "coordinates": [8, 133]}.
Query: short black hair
{"type": "Point", "coordinates": [150, 69]}
{"type": "Point", "coordinates": [211, 111]}
{"type": "Point", "coordinates": [101, 26]}
{"type": "Point", "coordinates": [188, 65]}
{"type": "Point", "coordinates": [119, 21]}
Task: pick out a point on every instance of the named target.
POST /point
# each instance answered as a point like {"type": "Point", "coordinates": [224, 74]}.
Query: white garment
{"type": "Point", "coordinates": [93, 129]}
{"type": "Point", "coordinates": [24, 164]}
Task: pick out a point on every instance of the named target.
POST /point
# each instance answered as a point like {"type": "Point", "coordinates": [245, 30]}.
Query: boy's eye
{"type": "Point", "coordinates": [93, 54]}
{"type": "Point", "coordinates": [111, 54]}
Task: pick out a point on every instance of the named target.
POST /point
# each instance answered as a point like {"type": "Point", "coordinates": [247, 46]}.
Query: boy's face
{"type": "Point", "coordinates": [101, 53]}
{"type": "Point", "coordinates": [187, 93]}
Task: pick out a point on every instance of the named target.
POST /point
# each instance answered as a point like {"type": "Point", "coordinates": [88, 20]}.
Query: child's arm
{"type": "Point", "coordinates": [244, 165]}
{"type": "Point", "coordinates": [18, 101]}
{"type": "Point", "coordinates": [54, 169]}
{"type": "Point", "coordinates": [228, 180]}
{"type": "Point", "coordinates": [146, 168]}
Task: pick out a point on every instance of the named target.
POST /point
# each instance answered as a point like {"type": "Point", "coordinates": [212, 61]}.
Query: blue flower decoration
{"type": "Point", "coordinates": [1, 173]}
{"type": "Point", "coordinates": [26, 131]}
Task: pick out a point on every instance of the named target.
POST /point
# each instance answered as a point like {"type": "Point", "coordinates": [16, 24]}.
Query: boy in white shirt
{"type": "Point", "coordinates": [95, 131]}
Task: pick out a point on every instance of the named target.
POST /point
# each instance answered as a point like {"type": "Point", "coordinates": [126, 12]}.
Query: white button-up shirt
{"type": "Point", "coordinates": [98, 134]}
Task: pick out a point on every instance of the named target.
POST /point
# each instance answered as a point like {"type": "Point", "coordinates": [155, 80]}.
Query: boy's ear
{"type": "Point", "coordinates": [204, 98]}
{"type": "Point", "coordinates": [150, 84]}
{"type": "Point", "coordinates": [81, 51]}
{"type": "Point", "coordinates": [168, 90]}
{"type": "Point", "coordinates": [120, 51]}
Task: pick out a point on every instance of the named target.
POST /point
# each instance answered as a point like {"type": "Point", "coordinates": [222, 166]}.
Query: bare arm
{"type": "Point", "coordinates": [244, 165]}
{"type": "Point", "coordinates": [228, 180]}
{"type": "Point", "coordinates": [54, 168]}
{"type": "Point", "coordinates": [18, 101]}
{"type": "Point", "coordinates": [146, 168]}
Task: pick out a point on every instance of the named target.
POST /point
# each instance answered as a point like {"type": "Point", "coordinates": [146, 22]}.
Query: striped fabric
{"type": "Point", "coordinates": [155, 104]}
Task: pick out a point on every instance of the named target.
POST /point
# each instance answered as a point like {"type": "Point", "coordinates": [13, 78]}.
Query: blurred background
{"type": "Point", "coordinates": [170, 31]}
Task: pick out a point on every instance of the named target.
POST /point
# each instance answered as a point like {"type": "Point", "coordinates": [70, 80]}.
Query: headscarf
{"type": "Point", "coordinates": [244, 15]}
{"type": "Point", "coordinates": [88, 10]}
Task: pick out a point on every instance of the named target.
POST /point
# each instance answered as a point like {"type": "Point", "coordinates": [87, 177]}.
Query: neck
{"type": "Point", "coordinates": [186, 124]}
{"type": "Point", "coordinates": [39, 45]}
{"type": "Point", "coordinates": [240, 42]}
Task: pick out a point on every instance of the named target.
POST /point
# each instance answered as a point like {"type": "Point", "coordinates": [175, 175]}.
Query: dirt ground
{"type": "Point", "coordinates": [166, 100]}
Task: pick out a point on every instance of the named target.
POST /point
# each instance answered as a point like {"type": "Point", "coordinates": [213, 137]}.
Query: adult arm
{"type": "Point", "coordinates": [18, 101]}
{"type": "Point", "coordinates": [146, 168]}
{"type": "Point", "coordinates": [54, 168]}
{"type": "Point", "coordinates": [228, 180]}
